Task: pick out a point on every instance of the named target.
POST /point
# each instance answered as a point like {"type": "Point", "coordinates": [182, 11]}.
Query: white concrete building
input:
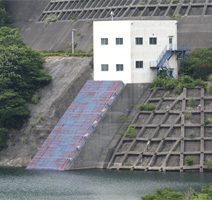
{"type": "Point", "coordinates": [124, 50]}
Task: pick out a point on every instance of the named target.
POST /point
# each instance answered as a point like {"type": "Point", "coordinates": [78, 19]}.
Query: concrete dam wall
{"type": "Point", "coordinates": [170, 135]}
{"type": "Point", "coordinates": [194, 19]}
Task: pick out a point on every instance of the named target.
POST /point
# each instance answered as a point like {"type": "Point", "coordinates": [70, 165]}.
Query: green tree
{"type": "Point", "coordinates": [10, 37]}
{"type": "Point", "coordinates": [4, 18]}
{"type": "Point", "coordinates": [163, 194]}
{"type": "Point", "coordinates": [13, 109]}
{"type": "Point", "coordinates": [199, 65]}
{"type": "Point", "coordinates": [3, 138]}
{"type": "Point", "coordinates": [21, 74]}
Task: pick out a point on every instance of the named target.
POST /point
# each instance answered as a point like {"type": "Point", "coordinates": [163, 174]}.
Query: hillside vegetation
{"type": "Point", "coordinates": [196, 71]}
{"type": "Point", "coordinates": [4, 18]}
{"type": "Point", "coordinates": [21, 74]}
{"type": "Point", "coordinates": [168, 194]}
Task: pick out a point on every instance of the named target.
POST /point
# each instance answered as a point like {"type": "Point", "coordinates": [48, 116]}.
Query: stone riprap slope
{"type": "Point", "coordinates": [169, 134]}
{"type": "Point", "coordinates": [68, 77]}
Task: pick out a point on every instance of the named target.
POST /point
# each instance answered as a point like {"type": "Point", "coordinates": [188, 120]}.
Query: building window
{"type": "Point", "coordinates": [104, 67]}
{"type": "Point", "coordinates": [153, 40]}
{"type": "Point", "coordinates": [138, 41]}
{"type": "Point", "coordinates": [104, 41]}
{"type": "Point", "coordinates": [119, 67]}
{"type": "Point", "coordinates": [119, 41]}
{"type": "Point", "coordinates": [139, 64]}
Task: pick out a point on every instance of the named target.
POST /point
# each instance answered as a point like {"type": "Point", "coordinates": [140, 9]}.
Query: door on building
{"type": "Point", "coordinates": [170, 42]}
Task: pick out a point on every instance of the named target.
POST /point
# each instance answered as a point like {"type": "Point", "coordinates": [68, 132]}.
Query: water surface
{"type": "Point", "coordinates": [19, 184]}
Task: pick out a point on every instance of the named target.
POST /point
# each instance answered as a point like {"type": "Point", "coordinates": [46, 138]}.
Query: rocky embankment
{"type": "Point", "coordinates": [68, 77]}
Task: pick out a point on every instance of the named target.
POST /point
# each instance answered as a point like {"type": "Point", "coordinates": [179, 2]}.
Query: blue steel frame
{"type": "Point", "coordinates": [167, 53]}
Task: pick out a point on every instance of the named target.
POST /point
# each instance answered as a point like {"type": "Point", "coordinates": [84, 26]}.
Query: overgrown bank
{"type": "Point", "coordinates": [21, 74]}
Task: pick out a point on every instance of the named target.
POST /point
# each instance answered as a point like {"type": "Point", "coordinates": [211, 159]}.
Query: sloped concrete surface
{"type": "Point", "coordinates": [169, 135]}
{"type": "Point", "coordinates": [101, 144]}
{"type": "Point", "coordinates": [69, 75]}
{"type": "Point", "coordinates": [194, 30]}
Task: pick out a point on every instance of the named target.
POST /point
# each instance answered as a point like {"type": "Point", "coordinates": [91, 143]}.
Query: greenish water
{"type": "Point", "coordinates": [18, 183]}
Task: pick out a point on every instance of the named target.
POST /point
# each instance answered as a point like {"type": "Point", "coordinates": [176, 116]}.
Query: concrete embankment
{"type": "Point", "coordinates": [69, 75]}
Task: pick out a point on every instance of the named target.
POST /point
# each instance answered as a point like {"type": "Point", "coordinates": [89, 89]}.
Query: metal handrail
{"type": "Point", "coordinates": [172, 47]}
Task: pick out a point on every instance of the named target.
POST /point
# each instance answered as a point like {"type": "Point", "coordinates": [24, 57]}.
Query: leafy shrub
{"type": "Point", "coordinates": [209, 88]}
{"type": "Point", "coordinates": [178, 90]}
{"type": "Point", "coordinates": [127, 164]}
{"type": "Point", "coordinates": [210, 133]}
{"type": "Point", "coordinates": [208, 121]}
{"type": "Point", "coordinates": [189, 160]}
{"type": "Point", "coordinates": [163, 194]}
{"type": "Point", "coordinates": [123, 118]}
{"type": "Point", "coordinates": [178, 15]}
{"type": "Point", "coordinates": [33, 124]}
{"type": "Point", "coordinates": [42, 118]}
{"type": "Point", "coordinates": [89, 22]}
{"type": "Point", "coordinates": [192, 102]}
{"type": "Point", "coordinates": [186, 81]}
{"type": "Point", "coordinates": [50, 18]}
{"type": "Point", "coordinates": [165, 2]}
{"type": "Point", "coordinates": [73, 17]}
{"type": "Point", "coordinates": [146, 107]}
{"type": "Point", "coordinates": [210, 78]}
{"type": "Point", "coordinates": [177, 106]}
{"type": "Point", "coordinates": [200, 82]}
{"type": "Point", "coordinates": [177, 85]}
{"type": "Point", "coordinates": [208, 164]}
{"type": "Point", "coordinates": [175, 1]}
{"type": "Point", "coordinates": [191, 135]}
{"type": "Point", "coordinates": [26, 140]}
{"type": "Point", "coordinates": [130, 131]}
{"type": "Point", "coordinates": [188, 116]}
{"type": "Point", "coordinates": [35, 98]}
{"type": "Point", "coordinates": [154, 2]}
{"type": "Point", "coordinates": [166, 83]}
{"type": "Point", "coordinates": [207, 191]}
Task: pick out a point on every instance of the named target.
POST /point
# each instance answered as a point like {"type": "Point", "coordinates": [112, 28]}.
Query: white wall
{"type": "Point", "coordinates": [129, 52]}
{"type": "Point", "coordinates": [112, 54]}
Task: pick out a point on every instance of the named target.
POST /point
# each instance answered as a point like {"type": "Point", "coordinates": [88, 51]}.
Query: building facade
{"type": "Point", "coordinates": [129, 50]}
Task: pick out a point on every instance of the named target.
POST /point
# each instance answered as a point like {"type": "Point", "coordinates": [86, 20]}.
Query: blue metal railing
{"type": "Point", "coordinates": [169, 48]}
{"type": "Point", "coordinates": [167, 52]}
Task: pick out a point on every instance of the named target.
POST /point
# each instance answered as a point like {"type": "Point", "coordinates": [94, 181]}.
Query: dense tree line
{"type": "Point", "coordinates": [169, 194]}
{"type": "Point", "coordinates": [4, 18]}
{"type": "Point", "coordinates": [199, 65]}
{"type": "Point", "coordinates": [21, 74]}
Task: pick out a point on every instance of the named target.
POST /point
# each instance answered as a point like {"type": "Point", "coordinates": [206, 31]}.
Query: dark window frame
{"type": "Point", "coordinates": [153, 41]}
{"type": "Point", "coordinates": [139, 41]}
{"type": "Point", "coordinates": [119, 41]}
{"type": "Point", "coordinates": [119, 67]}
{"type": "Point", "coordinates": [104, 41]}
{"type": "Point", "coordinates": [139, 64]}
{"type": "Point", "coordinates": [103, 69]}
